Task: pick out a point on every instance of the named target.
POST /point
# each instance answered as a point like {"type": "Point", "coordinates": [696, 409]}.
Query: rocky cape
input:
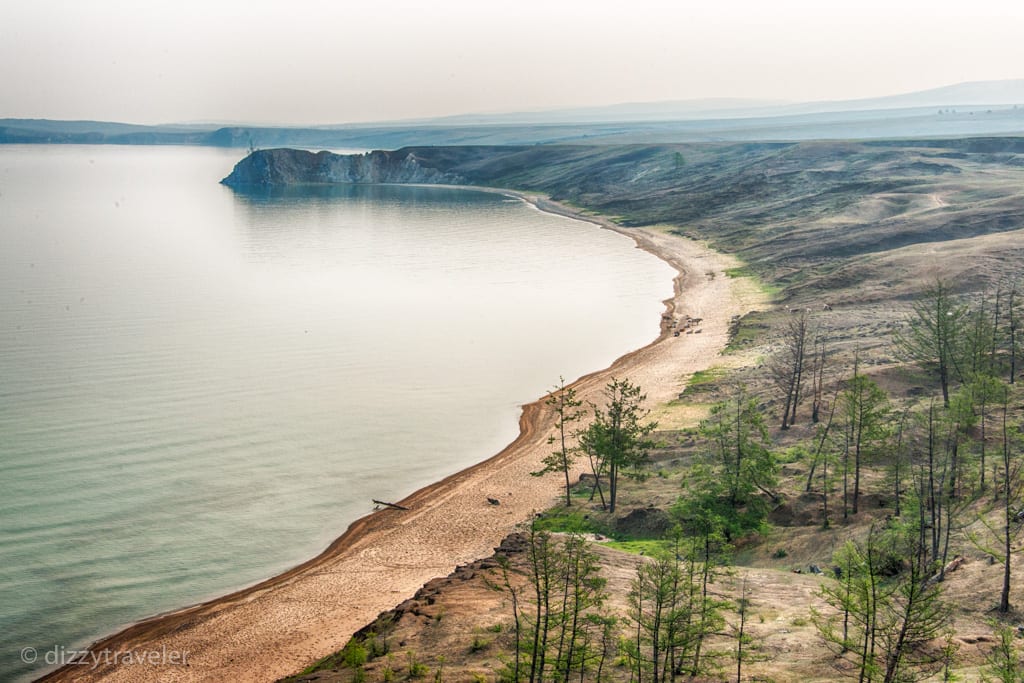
{"type": "Point", "coordinates": [279, 167]}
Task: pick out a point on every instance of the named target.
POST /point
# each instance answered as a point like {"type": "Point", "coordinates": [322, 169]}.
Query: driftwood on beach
{"type": "Point", "coordinates": [390, 505]}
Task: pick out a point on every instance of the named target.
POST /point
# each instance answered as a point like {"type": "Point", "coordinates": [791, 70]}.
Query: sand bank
{"type": "Point", "coordinates": [277, 627]}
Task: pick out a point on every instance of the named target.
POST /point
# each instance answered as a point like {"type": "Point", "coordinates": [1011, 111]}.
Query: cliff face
{"type": "Point", "coordinates": [274, 167]}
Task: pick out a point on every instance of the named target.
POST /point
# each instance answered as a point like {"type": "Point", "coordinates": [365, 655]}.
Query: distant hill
{"type": "Point", "coordinates": [975, 93]}
{"type": "Point", "coordinates": [962, 94]}
{"type": "Point", "coordinates": [966, 109]}
{"type": "Point", "coordinates": [629, 111]}
{"type": "Point", "coordinates": [45, 131]}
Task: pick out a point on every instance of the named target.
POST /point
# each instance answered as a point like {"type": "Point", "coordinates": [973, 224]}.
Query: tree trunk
{"type": "Point", "coordinates": [613, 486]}
{"type": "Point", "coordinates": [932, 503]}
{"type": "Point", "coordinates": [1013, 336]}
{"type": "Point", "coordinates": [856, 471]}
{"type": "Point", "coordinates": [1004, 597]}
{"type": "Point", "coordinates": [846, 477]}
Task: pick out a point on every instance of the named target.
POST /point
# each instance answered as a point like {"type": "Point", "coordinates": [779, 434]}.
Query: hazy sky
{"type": "Point", "coordinates": [335, 61]}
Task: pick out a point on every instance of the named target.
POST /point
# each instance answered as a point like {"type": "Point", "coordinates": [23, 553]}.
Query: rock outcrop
{"type": "Point", "coordinates": [278, 167]}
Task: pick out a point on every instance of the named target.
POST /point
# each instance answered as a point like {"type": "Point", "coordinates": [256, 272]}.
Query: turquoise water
{"type": "Point", "coordinates": [200, 389]}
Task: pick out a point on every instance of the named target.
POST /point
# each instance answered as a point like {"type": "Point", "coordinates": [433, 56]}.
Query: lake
{"type": "Point", "coordinates": [200, 389]}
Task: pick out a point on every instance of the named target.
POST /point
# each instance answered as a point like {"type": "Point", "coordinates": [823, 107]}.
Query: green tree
{"type": "Point", "coordinates": [855, 596]}
{"type": "Point", "coordinates": [984, 391]}
{"type": "Point", "coordinates": [933, 335]}
{"type": "Point", "coordinates": [742, 637]}
{"type": "Point", "coordinates": [618, 438]}
{"type": "Point", "coordinates": [1012, 330]}
{"type": "Point", "coordinates": [738, 443]}
{"type": "Point", "coordinates": [914, 615]}
{"type": "Point", "coordinates": [564, 402]}
{"type": "Point", "coordinates": [1003, 664]}
{"type": "Point", "coordinates": [899, 462]}
{"type": "Point", "coordinates": [979, 339]}
{"type": "Point", "coordinates": [938, 464]}
{"type": "Point", "coordinates": [654, 599]}
{"type": "Point", "coordinates": [673, 610]}
{"type": "Point", "coordinates": [886, 608]}
{"type": "Point", "coordinates": [823, 455]}
{"type": "Point", "coordinates": [554, 612]}
{"type": "Point", "coordinates": [722, 491]}
{"type": "Point", "coordinates": [582, 589]}
{"type": "Point", "coordinates": [1009, 491]}
{"type": "Point", "coordinates": [544, 561]}
{"type": "Point", "coordinates": [864, 407]}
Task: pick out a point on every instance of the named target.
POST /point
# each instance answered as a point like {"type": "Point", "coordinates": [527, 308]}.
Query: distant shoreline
{"type": "Point", "coordinates": [278, 626]}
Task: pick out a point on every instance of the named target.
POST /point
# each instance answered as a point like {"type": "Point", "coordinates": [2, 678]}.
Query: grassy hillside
{"type": "Point", "coordinates": [780, 206]}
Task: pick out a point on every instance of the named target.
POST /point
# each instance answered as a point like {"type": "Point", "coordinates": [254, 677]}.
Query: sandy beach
{"type": "Point", "coordinates": [283, 624]}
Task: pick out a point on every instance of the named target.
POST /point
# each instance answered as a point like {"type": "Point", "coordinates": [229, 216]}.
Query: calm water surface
{"type": "Point", "coordinates": [200, 389]}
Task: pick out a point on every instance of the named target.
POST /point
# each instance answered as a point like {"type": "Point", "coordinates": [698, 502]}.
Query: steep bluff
{"type": "Point", "coordinates": [275, 167]}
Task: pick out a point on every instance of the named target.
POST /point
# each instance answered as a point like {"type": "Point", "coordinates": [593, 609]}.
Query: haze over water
{"type": "Point", "coordinates": [199, 389]}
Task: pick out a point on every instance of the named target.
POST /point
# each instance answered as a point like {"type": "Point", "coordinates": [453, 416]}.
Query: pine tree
{"type": "Point", "coordinates": [563, 401]}
{"type": "Point", "coordinates": [618, 438]}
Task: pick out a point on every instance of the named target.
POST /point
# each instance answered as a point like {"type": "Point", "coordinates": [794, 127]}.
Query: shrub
{"type": "Point", "coordinates": [417, 669]}
{"type": "Point", "coordinates": [355, 655]}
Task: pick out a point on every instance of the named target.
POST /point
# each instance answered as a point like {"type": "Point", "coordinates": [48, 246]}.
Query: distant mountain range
{"type": "Point", "coordinates": [975, 93]}
{"type": "Point", "coordinates": [964, 109]}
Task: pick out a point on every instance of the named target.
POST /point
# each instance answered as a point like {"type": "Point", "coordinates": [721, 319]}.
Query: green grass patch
{"type": "Point", "coordinates": [352, 656]}
{"type": "Point", "coordinates": [703, 381]}
{"type": "Point", "coordinates": [638, 547]}
{"type": "Point", "coordinates": [356, 653]}
{"type": "Point", "coordinates": [745, 337]}
{"type": "Point", "coordinates": [740, 271]}
{"type": "Point", "coordinates": [478, 644]}
{"type": "Point", "coordinates": [566, 520]}
{"type": "Point", "coordinates": [749, 332]}
{"type": "Point", "coordinates": [771, 289]}
{"type": "Point", "coordinates": [712, 374]}
{"type": "Point", "coordinates": [580, 491]}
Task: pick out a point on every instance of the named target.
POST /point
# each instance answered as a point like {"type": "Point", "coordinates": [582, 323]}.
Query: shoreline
{"type": "Point", "coordinates": [280, 625]}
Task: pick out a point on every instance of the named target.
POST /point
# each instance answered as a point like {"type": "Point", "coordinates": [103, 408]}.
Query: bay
{"type": "Point", "coordinates": [200, 389]}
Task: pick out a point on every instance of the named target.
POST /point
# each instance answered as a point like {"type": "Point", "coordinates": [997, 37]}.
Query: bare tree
{"type": "Point", "coordinates": [818, 360]}
{"type": "Point", "coordinates": [787, 366]}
